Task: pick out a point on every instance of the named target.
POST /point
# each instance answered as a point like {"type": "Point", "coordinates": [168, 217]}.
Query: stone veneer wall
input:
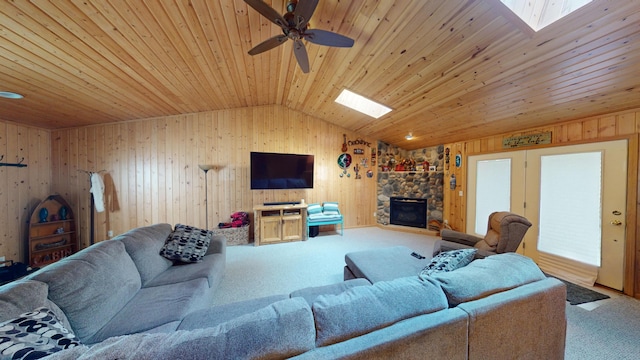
{"type": "Point", "coordinates": [412, 184]}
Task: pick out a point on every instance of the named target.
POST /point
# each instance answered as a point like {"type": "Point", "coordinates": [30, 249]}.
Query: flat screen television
{"type": "Point", "coordinates": [281, 171]}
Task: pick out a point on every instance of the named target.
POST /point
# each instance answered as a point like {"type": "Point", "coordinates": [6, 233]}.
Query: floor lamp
{"type": "Point", "coordinates": [206, 169]}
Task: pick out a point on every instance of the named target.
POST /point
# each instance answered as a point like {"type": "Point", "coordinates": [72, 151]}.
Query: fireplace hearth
{"type": "Point", "coordinates": [408, 212]}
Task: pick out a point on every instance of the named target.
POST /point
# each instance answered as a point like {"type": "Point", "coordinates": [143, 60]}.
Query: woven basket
{"type": "Point", "coordinates": [234, 235]}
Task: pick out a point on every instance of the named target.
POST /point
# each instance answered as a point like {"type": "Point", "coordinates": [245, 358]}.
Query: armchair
{"type": "Point", "coordinates": [505, 232]}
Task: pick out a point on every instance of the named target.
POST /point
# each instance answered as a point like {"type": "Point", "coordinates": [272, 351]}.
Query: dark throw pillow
{"type": "Point", "coordinates": [448, 261]}
{"type": "Point", "coordinates": [187, 244]}
{"type": "Point", "coordinates": [34, 335]}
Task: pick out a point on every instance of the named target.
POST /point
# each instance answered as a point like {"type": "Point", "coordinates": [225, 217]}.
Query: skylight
{"type": "Point", "coordinates": [10, 95]}
{"type": "Point", "coordinates": [361, 104]}
{"type": "Point", "coordinates": [540, 13]}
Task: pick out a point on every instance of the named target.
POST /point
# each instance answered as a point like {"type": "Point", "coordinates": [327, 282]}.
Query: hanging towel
{"type": "Point", "coordinates": [97, 189]}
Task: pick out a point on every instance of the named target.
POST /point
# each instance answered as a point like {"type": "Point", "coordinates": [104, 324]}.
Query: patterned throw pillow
{"type": "Point", "coordinates": [187, 244]}
{"type": "Point", "coordinates": [448, 261]}
{"type": "Point", "coordinates": [34, 335]}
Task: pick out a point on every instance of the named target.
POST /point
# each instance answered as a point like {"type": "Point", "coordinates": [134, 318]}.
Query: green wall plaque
{"type": "Point", "coordinates": [526, 140]}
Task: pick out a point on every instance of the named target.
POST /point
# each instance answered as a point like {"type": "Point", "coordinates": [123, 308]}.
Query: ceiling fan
{"type": "Point", "coordinates": [294, 24]}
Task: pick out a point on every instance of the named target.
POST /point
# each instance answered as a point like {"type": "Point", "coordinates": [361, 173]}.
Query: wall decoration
{"type": "Point", "coordinates": [358, 151]}
{"type": "Point", "coordinates": [369, 174]}
{"type": "Point", "coordinates": [344, 161]}
{"type": "Point", "coordinates": [526, 140]}
{"type": "Point", "coordinates": [458, 159]}
{"type": "Point", "coordinates": [446, 159]}
{"type": "Point", "coordinates": [359, 142]}
{"type": "Point", "coordinates": [344, 143]}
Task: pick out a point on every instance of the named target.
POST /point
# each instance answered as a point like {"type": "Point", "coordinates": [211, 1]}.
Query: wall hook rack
{"type": "Point", "coordinates": [18, 164]}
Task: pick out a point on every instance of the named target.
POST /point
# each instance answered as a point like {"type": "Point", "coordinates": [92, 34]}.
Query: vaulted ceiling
{"type": "Point", "coordinates": [451, 70]}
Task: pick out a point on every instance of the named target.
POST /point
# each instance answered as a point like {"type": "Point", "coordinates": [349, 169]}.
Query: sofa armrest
{"type": "Point", "coordinates": [218, 245]}
{"type": "Point", "coordinates": [459, 237]}
{"type": "Point", "coordinates": [443, 245]}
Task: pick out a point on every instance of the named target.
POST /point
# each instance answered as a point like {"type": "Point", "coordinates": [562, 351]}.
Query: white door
{"type": "Point", "coordinates": [576, 199]}
{"type": "Point", "coordinates": [496, 183]}
{"type": "Point", "coordinates": [530, 179]}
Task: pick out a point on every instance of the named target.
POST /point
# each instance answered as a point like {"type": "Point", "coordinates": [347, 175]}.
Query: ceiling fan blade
{"type": "Point", "coordinates": [268, 12]}
{"type": "Point", "coordinates": [327, 38]}
{"type": "Point", "coordinates": [268, 44]}
{"type": "Point", "coordinates": [301, 55]}
{"type": "Point", "coordinates": [303, 12]}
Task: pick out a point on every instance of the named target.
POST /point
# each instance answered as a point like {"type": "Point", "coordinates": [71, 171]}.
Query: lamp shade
{"type": "Point", "coordinates": [205, 168]}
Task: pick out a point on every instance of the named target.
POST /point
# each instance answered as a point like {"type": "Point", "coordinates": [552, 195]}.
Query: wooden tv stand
{"type": "Point", "coordinates": [279, 223]}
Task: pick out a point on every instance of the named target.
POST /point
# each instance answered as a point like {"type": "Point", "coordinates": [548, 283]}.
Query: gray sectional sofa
{"type": "Point", "coordinates": [120, 286]}
{"type": "Point", "coordinates": [501, 307]}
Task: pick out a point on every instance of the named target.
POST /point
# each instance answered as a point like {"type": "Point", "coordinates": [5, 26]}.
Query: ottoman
{"type": "Point", "coordinates": [383, 264]}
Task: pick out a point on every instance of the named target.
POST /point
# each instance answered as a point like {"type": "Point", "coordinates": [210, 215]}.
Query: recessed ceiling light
{"type": "Point", "coordinates": [361, 104]}
{"type": "Point", "coordinates": [409, 136]}
{"type": "Point", "coordinates": [10, 95]}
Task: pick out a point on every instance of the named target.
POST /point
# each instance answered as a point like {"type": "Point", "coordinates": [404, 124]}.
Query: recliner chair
{"type": "Point", "coordinates": [505, 232]}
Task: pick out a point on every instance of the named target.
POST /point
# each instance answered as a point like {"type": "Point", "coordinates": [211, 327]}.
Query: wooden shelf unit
{"type": "Point", "coordinates": [55, 238]}
{"type": "Point", "coordinates": [279, 223]}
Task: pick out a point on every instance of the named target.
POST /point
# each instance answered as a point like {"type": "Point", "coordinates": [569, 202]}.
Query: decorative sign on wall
{"type": "Point", "coordinates": [526, 140]}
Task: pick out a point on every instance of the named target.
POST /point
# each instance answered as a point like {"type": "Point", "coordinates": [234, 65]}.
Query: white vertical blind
{"type": "Point", "coordinates": [493, 190]}
{"type": "Point", "coordinates": [570, 206]}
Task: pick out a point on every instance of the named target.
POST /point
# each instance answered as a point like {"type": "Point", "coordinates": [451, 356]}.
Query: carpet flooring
{"type": "Point", "coordinates": [610, 331]}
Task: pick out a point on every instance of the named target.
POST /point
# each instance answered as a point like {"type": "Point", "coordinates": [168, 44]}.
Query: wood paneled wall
{"type": "Point", "coordinates": [21, 188]}
{"type": "Point", "coordinates": [151, 169]}
{"type": "Point", "coordinates": [612, 126]}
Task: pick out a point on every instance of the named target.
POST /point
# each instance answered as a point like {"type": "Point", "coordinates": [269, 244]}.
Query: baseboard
{"type": "Point", "coordinates": [409, 229]}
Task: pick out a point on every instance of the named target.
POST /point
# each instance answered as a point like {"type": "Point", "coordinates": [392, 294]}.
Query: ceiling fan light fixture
{"type": "Point", "coordinates": [362, 104]}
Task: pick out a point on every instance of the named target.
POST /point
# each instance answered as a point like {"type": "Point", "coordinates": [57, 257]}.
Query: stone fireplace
{"type": "Point", "coordinates": [423, 185]}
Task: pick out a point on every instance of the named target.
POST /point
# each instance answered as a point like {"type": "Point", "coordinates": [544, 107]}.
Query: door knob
{"type": "Point", "coordinates": [616, 222]}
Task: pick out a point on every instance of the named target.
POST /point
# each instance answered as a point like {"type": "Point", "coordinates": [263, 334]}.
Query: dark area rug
{"type": "Point", "coordinates": [577, 294]}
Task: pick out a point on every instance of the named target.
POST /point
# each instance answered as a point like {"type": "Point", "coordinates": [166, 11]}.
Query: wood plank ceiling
{"type": "Point", "coordinates": [451, 70]}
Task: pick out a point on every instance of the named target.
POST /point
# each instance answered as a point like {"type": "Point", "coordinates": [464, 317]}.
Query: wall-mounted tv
{"type": "Point", "coordinates": [281, 171]}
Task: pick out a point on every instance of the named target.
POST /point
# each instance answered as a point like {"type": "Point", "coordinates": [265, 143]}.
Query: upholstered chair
{"type": "Point", "coordinates": [505, 232]}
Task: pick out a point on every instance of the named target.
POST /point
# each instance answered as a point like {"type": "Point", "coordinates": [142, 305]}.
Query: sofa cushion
{"type": "Point", "coordinates": [281, 330]}
{"type": "Point", "coordinates": [211, 268]}
{"type": "Point", "coordinates": [33, 335]}
{"type": "Point", "coordinates": [143, 245]}
{"type": "Point", "coordinates": [19, 297]}
{"type": "Point", "coordinates": [323, 218]}
{"type": "Point", "coordinates": [487, 276]}
{"type": "Point", "coordinates": [187, 244]}
{"type": "Point", "coordinates": [491, 240]}
{"type": "Point", "coordinates": [155, 306]}
{"type": "Point", "coordinates": [363, 309]}
{"type": "Point", "coordinates": [310, 294]}
{"type": "Point", "coordinates": [216, 315]}
{"type": "Point", "coordinates": [448, 261]}
{"type": "Point", "coordinates": [92, 286]}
